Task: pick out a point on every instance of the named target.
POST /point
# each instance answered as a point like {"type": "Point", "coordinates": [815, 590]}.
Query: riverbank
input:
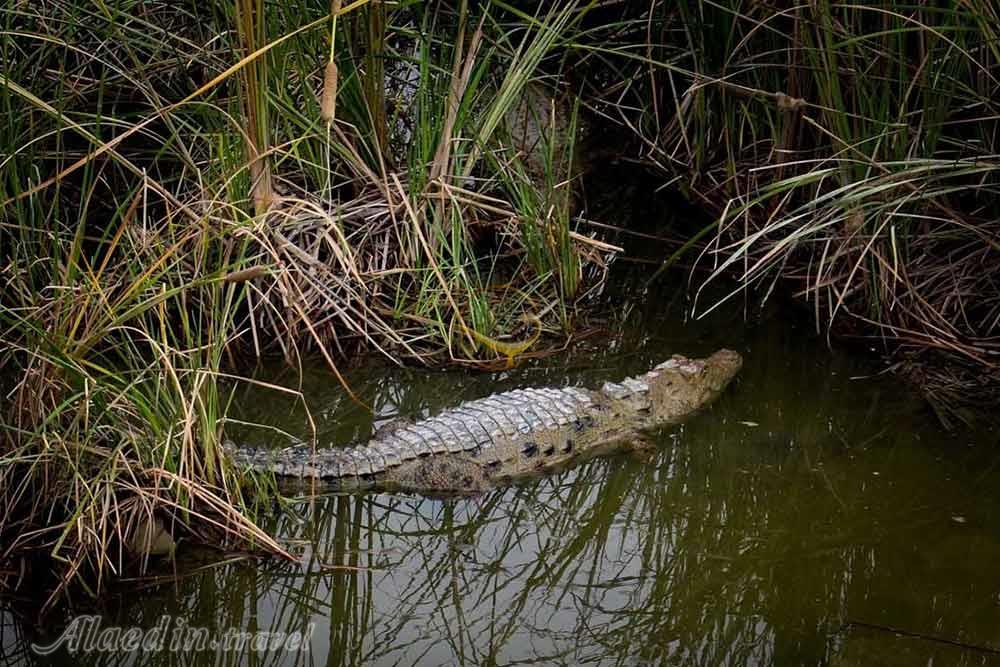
{"type": "Point", "coordinates": [190, 188]}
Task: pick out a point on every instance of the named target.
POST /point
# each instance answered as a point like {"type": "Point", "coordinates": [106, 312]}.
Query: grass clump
{"type": "Point", "coordinates": [186, 186]}
{"type": "Point", "coordinates": [849, 150]}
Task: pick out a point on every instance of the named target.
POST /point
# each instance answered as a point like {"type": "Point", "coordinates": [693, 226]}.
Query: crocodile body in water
{"type": "Point", "coordinates": [515, 433]}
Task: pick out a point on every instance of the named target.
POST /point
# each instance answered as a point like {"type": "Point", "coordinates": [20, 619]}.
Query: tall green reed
{"type": "Point", "coordinates": [173, 201]}
{"type": "Point", "coordinates": [847, 149]}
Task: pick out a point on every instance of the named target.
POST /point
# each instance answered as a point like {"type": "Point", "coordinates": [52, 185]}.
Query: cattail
{"type": "Point", "coordinates": [328, 101]}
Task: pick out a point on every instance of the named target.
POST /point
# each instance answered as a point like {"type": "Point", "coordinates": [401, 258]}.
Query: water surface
{"type": "Point", "coordinates": [814, 515]}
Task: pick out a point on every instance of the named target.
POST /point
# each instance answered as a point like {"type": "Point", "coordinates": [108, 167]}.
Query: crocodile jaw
{"type": "Point", "coordinates": [682, 386]}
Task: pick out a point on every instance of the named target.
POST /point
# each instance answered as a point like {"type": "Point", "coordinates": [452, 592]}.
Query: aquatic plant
{"type": "Point", "coordinates": [849, 150]}
{"type": "Point", "coordinates": [185, 186]}
{"type": "Point", "coordinates": [188, 186]}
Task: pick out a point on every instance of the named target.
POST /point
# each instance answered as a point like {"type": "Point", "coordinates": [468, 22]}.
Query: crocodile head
{"type": "Point", "coordinates": [681, 386]}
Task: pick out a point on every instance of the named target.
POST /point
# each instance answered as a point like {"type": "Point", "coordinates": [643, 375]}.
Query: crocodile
{"type": "Point", "coordinates": [482, 443]}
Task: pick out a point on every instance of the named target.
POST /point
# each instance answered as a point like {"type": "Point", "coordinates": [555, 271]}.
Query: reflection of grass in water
{"type": "Point", "coordinates": [644, 557]}
{"type": "Point", "coordinates": [735, 544]}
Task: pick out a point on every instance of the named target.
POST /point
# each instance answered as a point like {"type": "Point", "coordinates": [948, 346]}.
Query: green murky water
{"type": "Point", "coordinates": [810, 517]}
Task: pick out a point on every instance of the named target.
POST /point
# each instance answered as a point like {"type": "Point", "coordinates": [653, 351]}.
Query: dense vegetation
{"type": "Point", "coordinates": [186, 186]}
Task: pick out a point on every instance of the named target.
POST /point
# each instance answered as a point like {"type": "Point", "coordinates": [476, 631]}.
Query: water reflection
{"type": "Point", "coordinates": [793, 523]}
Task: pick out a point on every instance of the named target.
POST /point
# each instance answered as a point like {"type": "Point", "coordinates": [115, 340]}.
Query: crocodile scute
{"type": "Point", "coordinates": [482, 442]}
